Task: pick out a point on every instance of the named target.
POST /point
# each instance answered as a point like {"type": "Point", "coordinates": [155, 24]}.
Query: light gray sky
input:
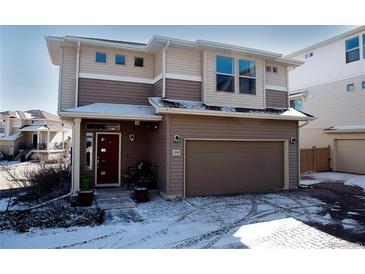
{"type": "Point", "coordinates": [28, 80]}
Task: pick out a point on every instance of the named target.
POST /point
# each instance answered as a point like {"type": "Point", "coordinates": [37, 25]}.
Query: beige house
{"type": "Point", "coordinates": [212, 118]}
{"type": "Point", "coordinates": [23, 133]}
{"type": "Point", "coordinates": [331, 86]}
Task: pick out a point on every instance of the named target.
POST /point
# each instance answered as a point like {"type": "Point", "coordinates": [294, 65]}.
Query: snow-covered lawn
{"type": "Point", "coordinates": [281, 220]}
{"type": "Point", "coordinates": [346, 178]}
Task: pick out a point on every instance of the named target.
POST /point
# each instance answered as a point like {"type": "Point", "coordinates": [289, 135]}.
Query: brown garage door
{"type": "Point", "coordinates": [226, 167]}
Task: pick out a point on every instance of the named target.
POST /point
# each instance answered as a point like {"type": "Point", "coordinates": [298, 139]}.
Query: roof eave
{"type": "Point", "coordinates": [91, 115]}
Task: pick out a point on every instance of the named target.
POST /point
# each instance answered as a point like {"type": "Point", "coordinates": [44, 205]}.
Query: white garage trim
{"type": "Point", "coordinates": [286, 154]}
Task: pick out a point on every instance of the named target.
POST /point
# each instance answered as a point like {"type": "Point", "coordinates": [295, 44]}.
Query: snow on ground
{"type": "Point", "coordinates": [244, 221]}
{"type": "Point", "coordinates": [346, 178]}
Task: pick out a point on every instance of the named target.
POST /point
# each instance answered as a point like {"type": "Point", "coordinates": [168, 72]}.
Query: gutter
{"type": "Point", "coordinates": [164, 69]}
{"type": "Point", "coordinates": [110, 116]}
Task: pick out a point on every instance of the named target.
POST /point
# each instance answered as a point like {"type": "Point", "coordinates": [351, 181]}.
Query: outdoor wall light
{"type": "Point", "coordinates": [293, 140]}
{"type": "Point", "coordinates": [132, 138]}
{"type": "Point", "coordinates": [177, 139]}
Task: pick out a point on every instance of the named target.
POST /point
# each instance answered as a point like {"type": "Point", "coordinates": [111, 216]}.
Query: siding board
{"type": "Point", "coordinates": [183, 90]}
{"type": "Point", "coordinates": [183, 61]}
{"type": "Point", "coordinates": [68, 78]}
{"type": "Point", "coordinates": [276, 99]}
{"type": "Point", "coordinates": [276, 79]}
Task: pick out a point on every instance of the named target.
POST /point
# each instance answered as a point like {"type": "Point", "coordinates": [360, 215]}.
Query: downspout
{"type": "Point", "coordinates": [164, 69]}
{"type": "Point", "coordinates": [77, 74]}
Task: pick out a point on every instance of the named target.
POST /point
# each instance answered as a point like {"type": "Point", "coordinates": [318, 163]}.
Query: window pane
{"type": "Point", "coordinates": [352, 55]}
{"type": "Point", "coordinates": [352, 43]}
{"type": "Point", "coordinates": [350, 87]}
{"type": "Point", "coordinates": [225, 83]}
{"type": "Point", "coordinates": [247, 85]}
{"type": "Point", "coordinates": [100, 57]}
{"type": "Point", "coordinates": [247, 68]}
{"type": "Point", "coordinates": [89, 151]}
{"type": "Point", "coordinates": [298, 104]}
{"type": "Point", "coordinates": [224, 64]}
{"type": "Point", "coordinates": [138, 61]}
{"type": "Point", "coordinates": [120, 59]}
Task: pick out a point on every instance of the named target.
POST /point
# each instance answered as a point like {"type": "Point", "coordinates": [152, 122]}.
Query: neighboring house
{"type": "Point", "coordinates": [212, 117]}
{"type": "Point", "coordinates": [27, 132]}
{"type": "Point", "coordinates": [331, 86]}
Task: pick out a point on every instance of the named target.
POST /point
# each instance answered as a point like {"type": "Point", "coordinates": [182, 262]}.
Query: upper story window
{"type": "Point", "coordinates": [363, 85]}
{"type": "Point", "coordinates": [247, 76]}
{"type": "Point", "coordinates": [119, 59]}
{"type": "Point", "coordinates": [350, 87]}
{"type": "Point", "coordinates": [352, 50]}
{"type": "Point", "coordinates": [138, 61]}
{"type": "Point", "coordinates": [275, 69]}
{"type": "Point", "coordinates": [225, 73]}
{"type": "Point", "coordinates": [268, 69]}
{"type": "Point", "coordinates": [100, 57]}
{"type": "Point", "coordinates": [309, 54]}
{"type": "Point", "coordinates": [297, 103]}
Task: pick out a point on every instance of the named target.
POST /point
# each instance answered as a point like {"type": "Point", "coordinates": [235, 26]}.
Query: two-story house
{"type": "Point", "coordinates": [331, 86]}
{"type": "Point", "coordinates": [212, 117]}
{"type": "Point", "coordinates": [23, 133]}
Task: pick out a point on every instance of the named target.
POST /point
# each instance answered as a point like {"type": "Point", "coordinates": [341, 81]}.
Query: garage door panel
{"type": "Point", "coordinates": [223, 167]}
{"type": "Point", "coordinates": [350, 156]}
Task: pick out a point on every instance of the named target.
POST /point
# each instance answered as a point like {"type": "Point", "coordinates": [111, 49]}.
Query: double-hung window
{"type": "Point", "coordinates": [352, 49]}
{"type": "Point", "coordinates": [247, 76]}
{"type": "Point", "coordinates": [297, 104]}
{"type": "Point", "coordinates": [225, 73]}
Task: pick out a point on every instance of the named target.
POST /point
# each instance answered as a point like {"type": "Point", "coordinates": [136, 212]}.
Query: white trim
{"type": "Point", "coordinates": [137, 79]}
{"type": "Point", "coordinates": [109, 116]}
{"type": "Point", "coordinates": [116, 78]}
{"type": "Point", "coordinates": [164, 69]}
{"type": "Point", "coordinates": [76, 154]}
{"type": "Point", "coordinates": [286, 155]}
{"type": "Point", "coordinates": [119, 158]}
{"type": "Point", "coordinates": [273, 87]}
{"type": "Point", "coordinates": [77, 74]}
{"type": "Point", "coordinates": [204, 78]}
{"type": "Point", "coordinates": [60, 75]}
{"type": "Point", "coordinates": [183, 77]}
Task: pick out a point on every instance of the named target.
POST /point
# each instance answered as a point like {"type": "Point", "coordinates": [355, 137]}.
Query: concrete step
{"type": "Point", "coordinates": [111, 193]}
{"type": "Point", "coordinates": [115, 203]}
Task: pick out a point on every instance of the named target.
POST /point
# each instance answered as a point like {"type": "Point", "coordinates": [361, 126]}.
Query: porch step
{"type": "Point", "coordinates": [110, 193]}
{"type": "Point", "coordinates": [115, 203]}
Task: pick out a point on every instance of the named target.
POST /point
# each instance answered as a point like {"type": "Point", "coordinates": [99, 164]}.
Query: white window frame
{"type": "Point", "coordinates": [244, 76]}
{"type": "Point", "coordinates": [226, 74]}
{"type": "Point", "coordinates": [358, 48]}
{"type": "Point", "coordinates": [106, 57]}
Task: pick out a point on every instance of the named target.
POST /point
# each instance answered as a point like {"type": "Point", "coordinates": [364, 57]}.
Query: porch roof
{"type": "Point", "coordinates": [113, 111]}
{"type": "Point", "coordinates": [41, 128]}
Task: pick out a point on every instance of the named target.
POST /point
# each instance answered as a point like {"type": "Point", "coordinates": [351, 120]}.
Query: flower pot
{"type": "Point", "coordinates": [141, 194]}
{"type": "Point", "coordinates": [86, 197]}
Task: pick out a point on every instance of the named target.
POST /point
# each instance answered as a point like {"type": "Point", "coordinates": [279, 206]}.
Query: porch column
{"type": "Point", "coordinates": [76, 154]}
{"type": "Point", "coordinates": [48, 138]}
{"type": "Point", "coordinates": [63, 140]}
{"type": "Point", "coordinates": [38, 139]}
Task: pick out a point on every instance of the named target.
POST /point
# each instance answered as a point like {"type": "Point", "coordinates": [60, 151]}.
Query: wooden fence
{"type": "Point", "coordinates": [315, 159]}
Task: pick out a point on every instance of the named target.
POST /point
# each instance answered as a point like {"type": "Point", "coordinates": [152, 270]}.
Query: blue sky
{"type": "Point", "coordinates": [28, 80]}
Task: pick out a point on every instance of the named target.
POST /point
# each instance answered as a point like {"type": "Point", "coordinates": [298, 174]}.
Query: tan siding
{"type": "Point", "coordinates": [183, 90]}
{"type": "Point", "coordinates": [88, 64]}
{"type": "Point", "coordinates": [276, 99]}
{"type": "Point", "coordinates": [117, 92]}
{"type": "Point", "coordinates": [183, 61]}
{"type": "Point", "coordinates": [158, 63]}
{"type": "Point", "coordinates": [226, 128]}
{"type": "Point", "coordinates": [213, 97]}
{"type": "Point", "coordinates": [68, 78]}
{"type": "Point", "coordinates": [279, 78]}
{"type": "Point", "coordinates": [157, 88]}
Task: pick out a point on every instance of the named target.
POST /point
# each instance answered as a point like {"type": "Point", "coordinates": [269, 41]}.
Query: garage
{"type": "Point", "coordinates": [214, 167]}
{"type": "Point", "coordinates": [350, 156]}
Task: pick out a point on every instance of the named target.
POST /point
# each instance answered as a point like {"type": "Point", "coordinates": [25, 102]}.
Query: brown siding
{"type": "Point", "coordinates": [226, 128]}
{"type": "Point", "coordinates": [132, 152]}
{"type": "Point", "coordinates": [157, 88]}
{"type": "Point", "coordinates": [117, 92]}
{"type": "Point", "coordinates": [276, 99]}
{"type": "Point", "coordinates": [183, 90]}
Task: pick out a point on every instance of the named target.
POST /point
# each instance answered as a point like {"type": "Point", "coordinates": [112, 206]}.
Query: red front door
{"type": "Point", "coordinates": [107, 162]}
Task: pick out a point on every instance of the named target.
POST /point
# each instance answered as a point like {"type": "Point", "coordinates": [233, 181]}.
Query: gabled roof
{"type": "Point", "coordinates": [165, 106]}
{"type": "Point", "coordinates": [34, 114]}
{"type": "Point", "coordinates": [326, 42]}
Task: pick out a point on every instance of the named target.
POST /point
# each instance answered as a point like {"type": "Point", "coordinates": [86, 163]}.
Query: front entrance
{"type": "Point", "coordinates": [35, 140]}
{"type": "Point", "coordinates": [107, 159]}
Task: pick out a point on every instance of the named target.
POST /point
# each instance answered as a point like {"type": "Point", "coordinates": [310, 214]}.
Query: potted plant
{"type": "Point", "coordinates": [85, 195]}
{"type": "Point", "coordinates": [142, 179]}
